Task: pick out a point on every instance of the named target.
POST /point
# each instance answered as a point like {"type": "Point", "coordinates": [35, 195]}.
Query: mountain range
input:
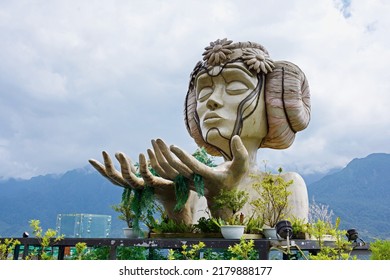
{"type": "Point", "coordinates": [359, 194]}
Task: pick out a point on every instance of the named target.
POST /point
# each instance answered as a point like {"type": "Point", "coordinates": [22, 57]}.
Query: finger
{"type": "Point", "coordinates": [112, 172]}
{"type": "Point", "coordinates": [240, 161]}
{"type": "Point", "coordinates": [174, 162]}
{"type": "Point", "coordinates": [101, 169]}
{"type": "Point", "coordinates": [149, 178]}
{"type": "Point", "coordinates": [162, 161]}
{"type": "Point", "coordinates": [192, 163]}
{"type": "Point", "coordinates": [155, 165]}
{"type": "Point", "coordinates": [127, 173]}
{"type": "Point", "coordinates": [132, 168]}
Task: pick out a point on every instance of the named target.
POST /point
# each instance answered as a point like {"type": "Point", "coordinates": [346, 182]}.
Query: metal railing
{"type": "Point", "coordinates": [263, 246]}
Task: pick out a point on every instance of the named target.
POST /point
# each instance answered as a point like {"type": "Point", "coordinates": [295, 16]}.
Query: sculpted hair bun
{"type": "Point", "coordinates": [287, 99]}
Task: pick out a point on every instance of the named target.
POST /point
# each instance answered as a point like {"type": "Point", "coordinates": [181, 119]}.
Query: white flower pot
{"type": "Point", "coordinates": [270, 233]}
{"type": "Point", "coordinates": [130, 233]}
{"type": "Point", "coordinates": [232, 231]}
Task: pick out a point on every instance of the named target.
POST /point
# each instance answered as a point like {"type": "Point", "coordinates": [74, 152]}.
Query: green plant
{"type": "Point", "coordinates": [380, 250]}
{"type": "Point", "coordinates": [321, 228]}
{"type": "Point", "coordinates": [81, 250]}
{"type": "Point", "coordinates": [131, 253]}
{"type": "Point", "coordinates": [191, 252]}
{"type": "Point", "coordinates": [254, 225]}
{"type": "Point", "coordinates": [232, 201]}
{"type": "Point", "coordinates": [244, 250]}
{"type": "Point", "coordinates": [126, 213]}
{"type": "Point", "coordinates": [299, 226]}
{"type": "Point", "coordinates": [341, 250]}
{"type": "Point", "coordinates": [170, 226]}
{"type": "Point", "coordinates": [149, 218]}
{"type": "Point", "coordinates": [46, 240]}
{"type": "Point", "coordinates": [7, 248]}
{"type": "Point", "coordinates": [137, 205]}
{"type": "Point", "coordinates": [182, 184]}
{"type": "Point", "coordinates": [97, 253]}
{"type": "Point", "coordinates": [207, 225]}
{"type": "Point", "coordinates": [272, 202]}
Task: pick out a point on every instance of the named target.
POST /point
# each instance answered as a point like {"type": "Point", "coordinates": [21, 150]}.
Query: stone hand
{"type": "Point", "coordinates": [127, 177]}
{"type": "Point", "coordinates": [165, 163]}
{"type": "Point", "coordinates": [225, 176]}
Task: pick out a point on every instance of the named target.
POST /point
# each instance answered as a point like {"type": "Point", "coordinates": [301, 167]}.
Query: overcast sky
{"type": "Point", "coordinates": [79, 77]}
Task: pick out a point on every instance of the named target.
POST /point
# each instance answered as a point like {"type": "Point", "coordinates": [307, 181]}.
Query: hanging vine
{"type": "Point", "coordinates": [182, 184]}
{"type": "Point", "coordinates": [201, 156]}
{"type": "Point", "coordinates": [142, 200]}
{"type": "Point", "coordinates": [182, 190]}
{"type": "Point", "coordinates": [142, 204]}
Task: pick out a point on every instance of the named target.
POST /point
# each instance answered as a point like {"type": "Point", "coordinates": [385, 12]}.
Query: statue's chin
{"type": "Point", "coordinates": [215, 138]}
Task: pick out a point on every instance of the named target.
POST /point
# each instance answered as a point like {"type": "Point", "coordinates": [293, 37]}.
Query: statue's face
{"type": "Point", "coordinates": [219, 94]}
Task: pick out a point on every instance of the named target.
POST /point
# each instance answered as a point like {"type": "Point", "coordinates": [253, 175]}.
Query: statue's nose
{"type": "Point", "coordinates": [215, 100]}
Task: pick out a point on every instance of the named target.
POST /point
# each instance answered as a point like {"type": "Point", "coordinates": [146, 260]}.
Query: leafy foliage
{"type": "Point", "coordinates": [191, 252]}
{"type": "Point", "coordinates": [132, 253]}
{"type": "Point", "coordinates": [170, 226]}
{"type": "Point", "coordinates": [254, 225]}
{"type": "Point", "coordinates": [182, 191]}
{"type": "Point", "coordinates": [202, 156]}
{"type": "Point", "coordinates": [143, 204]}
{"type": "Point", "coordinates": [298, 225]}
{"type": "Point", "coordinates": [233, 200]}
{"type": "Point", "coordinates": [380, 250]}
{"type": "Point", "coordinates": [207, 225]}
{"type": "Point", "coordinates": [81, 251]}
{"type": "Point", "coordinates": [7, 248]}
{"type": "Point", "coordinates": [46, 240]}
{"type": "Point", "coordinates": [243, 251]}
{"type": "Point", "coordinates": [272, 203]}
{"type": "Point", "coordinates": [125, 209]}
{"type": "Point", "coordinates": [97, 253]}
{"type": "Point", "coordinates": [341, 249]}
{"type": "Point", "coordinates": [182, 184]}
{"type": "Point", "coordinates": [137, 205]}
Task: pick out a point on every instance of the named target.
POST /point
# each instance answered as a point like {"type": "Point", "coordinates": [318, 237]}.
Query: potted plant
{"type": "Point", "coordinates": [127, 215]}
{"type": "Point", "coordinates": [254, 227]}
{"type": "Point", "coordinates": [169, 228]}
{"type": "Point", "coordinates": [229, 203]}
{"type": "Point", "coordinates": [323, 230]}
{"type": "Point", "coordinates": [299, 228]}
{"type": "Point", "coordinates": [272, 202]}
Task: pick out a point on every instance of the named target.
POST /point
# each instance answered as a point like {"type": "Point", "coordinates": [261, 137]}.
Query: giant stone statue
{"type": "Point", "coordinates": [238, 101]}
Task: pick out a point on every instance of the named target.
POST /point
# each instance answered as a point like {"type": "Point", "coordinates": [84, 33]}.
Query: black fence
{"type": "Point", "coordinates": [263, 246]}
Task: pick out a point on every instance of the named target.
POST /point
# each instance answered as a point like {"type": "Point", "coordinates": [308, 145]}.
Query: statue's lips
{"type": "Point", "coordinates": [211, 117]}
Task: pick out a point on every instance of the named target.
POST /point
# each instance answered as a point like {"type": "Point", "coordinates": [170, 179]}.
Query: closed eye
{"type": "Point", "coordinates": [204, 93]}
{"type": "Point", "coordinates": [236, 87]}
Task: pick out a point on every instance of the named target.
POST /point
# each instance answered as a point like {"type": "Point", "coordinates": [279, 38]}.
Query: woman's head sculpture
{"type": "Point", "coordinates": [259, 96]}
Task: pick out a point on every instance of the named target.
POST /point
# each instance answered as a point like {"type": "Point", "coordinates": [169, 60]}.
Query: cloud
{"type": "Point", "coordinates": [77, 78]}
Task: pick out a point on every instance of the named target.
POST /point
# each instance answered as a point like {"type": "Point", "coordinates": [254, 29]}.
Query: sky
{"type": "Point", "coordinates": [80, 77]}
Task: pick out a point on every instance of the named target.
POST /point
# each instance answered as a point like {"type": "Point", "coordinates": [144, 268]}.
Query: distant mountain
{"type": "Point", "coordinates": [314, 177]}
{"type": "Point", "coordinates": [359, 194]}
{"type": "Point", "coordinates": [80, 191]}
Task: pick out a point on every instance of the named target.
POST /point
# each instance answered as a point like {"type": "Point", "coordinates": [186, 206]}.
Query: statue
{"type": "Point", "coordinates": [238, 101]}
